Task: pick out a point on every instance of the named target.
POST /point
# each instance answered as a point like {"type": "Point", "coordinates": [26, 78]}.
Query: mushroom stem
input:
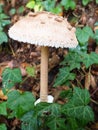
{"type": "Point", "coordinates": [44, 74]}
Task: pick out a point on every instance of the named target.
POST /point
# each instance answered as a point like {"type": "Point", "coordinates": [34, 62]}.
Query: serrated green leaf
{"type": "Point", "coordinates": [85, 2]}
{"type": "Point", "coordinates": [3, 127]}
{"type": "Point", "coordinates": [72, 60]}
{"type": "Point", "coordinates": [66, 94]}
{"type": "Point", "coordinates": [78, 108]}
{"type": "Point", "coordinates": [64, 76]}
{"type": "Point", "coordinates": [30, 71]}
{"type": "Point", "coordinates": [10, 77]}
{"type": "Point", "coordinates": [53, 108]}
{"type": "Point", "coordinates": [3, 37]}
{"type": "Point", "coordinates": [3, 108]}
{"type": "Point", "coordinates": [29, 121]}
{"type": "Point", "coordinates": [84, 34]}
{"type": "Point", "coordinates": [90, 59]}
{"type": "Point", "coordinates": [56, 123]}
{"type": "Point", "coordinates": [20, 103]}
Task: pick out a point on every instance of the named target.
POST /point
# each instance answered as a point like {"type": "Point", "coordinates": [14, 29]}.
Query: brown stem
{"type": "Point", "coordinates": [44, 74]}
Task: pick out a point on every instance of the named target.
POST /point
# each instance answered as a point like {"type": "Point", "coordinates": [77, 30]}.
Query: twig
{"type": "Point", "coordinates": [12, 50]}
{"type": "Point", "coordinates": [94, 101]}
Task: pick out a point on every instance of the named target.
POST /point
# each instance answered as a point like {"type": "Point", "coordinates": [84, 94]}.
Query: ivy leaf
{"type": "Point", "coordinates": [3, 110]}
{"type": "Point", "coordinates": [73, 124]}
{"type": "Point", "coordinates": [90, 59]}
{"type": "Point", "coordinates": [29, 121]}
{"type": "Point", "coordinates": [10, 77]}
{"type": "Point", "coordinates": [84, 34]}
{"type": "Point", "coordinates": [3, 37]}
{"type": "Point", "coordinates": [78, 108]}
{"type": "Point", "coordinates": [53, 119]}
{"type": "Point", "coordinates": [53, 108]}
{"type": "Point", "coordinates": [64, 76]}
{"type": "Point", "coordinates": [72, 60]}
{"type": "Point", "coordinates": [85, 2]}
{"type": "Point", "coordinates": [56, 123]}
{"type": "Point", "coordinates": [3, 127]}
{"type": "Point", "coordinates": [68, 4]}
{"type": "Point", "coordinates": [20, 103]}
{"type": "Point", "coordinates": [57, 9]}
{"type": "Point", "coordinates": [30, 71]}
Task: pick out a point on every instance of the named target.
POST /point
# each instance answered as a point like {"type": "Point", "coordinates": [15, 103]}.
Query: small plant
{"type": "Point", "coordinates": [48, 5]}
{"type": "Point", "coordinates": [68, 4]}
{"type": "Point", "coordinates": [52, 116]}
{"type": "Point", "coordinates": [3, 22]}
{"type": "Point", "coordinates": [78, 58]}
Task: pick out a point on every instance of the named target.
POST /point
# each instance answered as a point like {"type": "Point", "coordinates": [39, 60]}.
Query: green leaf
{"type": "Point", "coordinates": [1, 9]}
{"type": "Point", "coordinates": [3, 127]}
{"type": "Point", "coordinates": [1, 28]}
{"type": "Point", "coordinates": [72, 60]}
{"type": "Point", "coordinates": [68, 4]}
{"type": "Point", "coordinates": [85, 2]}
{"type": "Point", "coordinates": [49, 5]}
{"type": "Point", "coordinates": [12, 11]}
{"type": "Point", "coordinates": [29, 121]}
{"type": "Point", "coordinates": [38, 7]}
{"type": "Point", "coordinates": [84, 34]}
{"type": "Point", "coordinates": [96, 36]}
{"type": "Point", "coordinates": [20, 103]}
{"type": "Point", "coordinates": [78, 108]}
{"type": "Point", "coordinates": [56, 10]}
{"type": "Point", "coordinates": [3, 108]}
{"type": "Point", "coordinates": [3, 16]}
{"type": "Point", "coordinates": [90, 59]}
{"type": "Point", "coordinates": [56, 123]}
{"type": "Point", "coordinates": [5, 22]}
{"type": "Point", "coordinates": [67, 94]}
{"type": "Point", "coordinates": [3, 37]}
{"type": "Point", "coordinates": [96, 24]}
{"type": "Point", "coordinates": [96, 1]}
{"type": "Point", "coordinates": [20, 9]}
{"type": "Point", "coordinates": [31, 4]}
{"type": "Point", "coordinates": [64, 76]}
{"type": "Point", "coordinates": [53, 108]}
{"type": "Point", "coordinates": [10, 77]}
{"type": "Point", "coordinates": [30, 71]}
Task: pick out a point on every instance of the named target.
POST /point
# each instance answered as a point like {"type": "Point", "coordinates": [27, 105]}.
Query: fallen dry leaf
{"type": "Point", "coordinates": [2, 96]}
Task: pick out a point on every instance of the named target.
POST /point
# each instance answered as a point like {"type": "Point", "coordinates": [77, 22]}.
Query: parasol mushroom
{"type": "Point", "coordinates": [47, 30]}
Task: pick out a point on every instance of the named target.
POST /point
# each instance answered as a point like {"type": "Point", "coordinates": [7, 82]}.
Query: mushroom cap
{"type": "Point", "coordinates": [44, 29]}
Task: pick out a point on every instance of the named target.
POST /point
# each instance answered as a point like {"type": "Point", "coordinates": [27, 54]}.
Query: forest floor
{"type": "Point", "coordinates": [20, 55]}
